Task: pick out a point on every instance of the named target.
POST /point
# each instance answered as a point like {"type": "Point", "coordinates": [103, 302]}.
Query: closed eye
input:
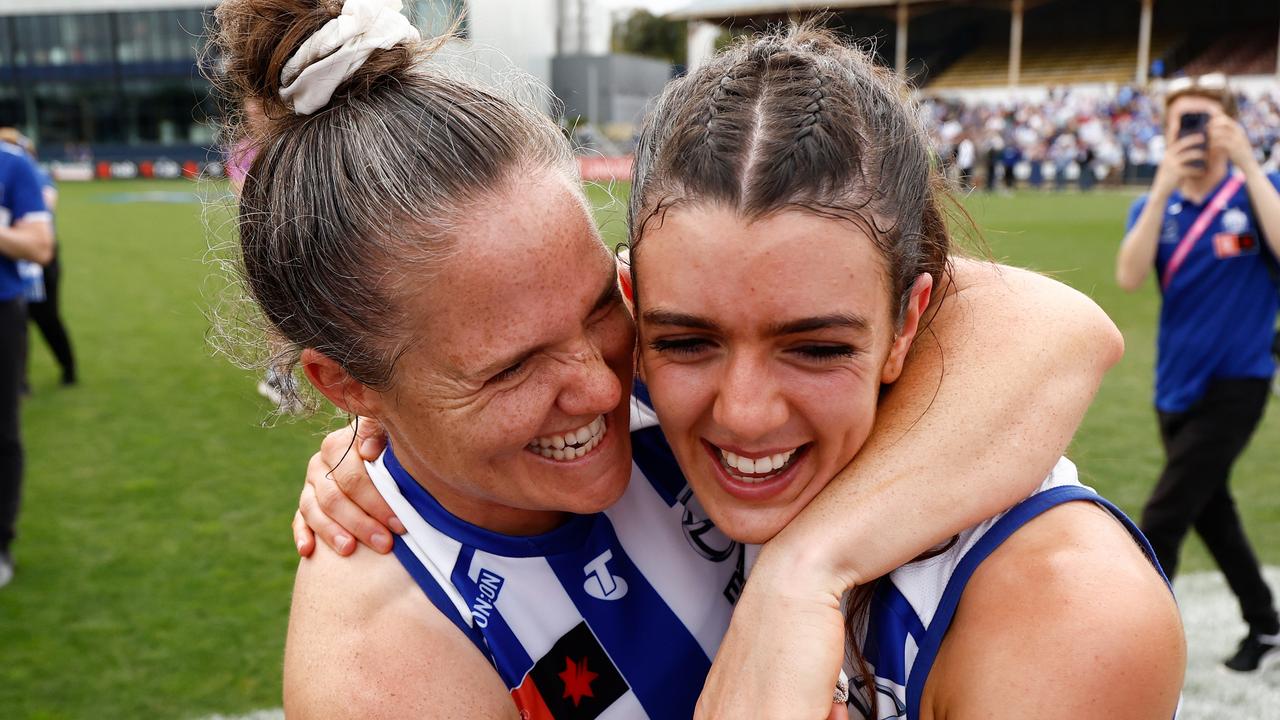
{"type": "Point", "coordinates": [825, 353]}
{"type": "Point", "coordinates": [509, 372]}
{"type": "Point", "coordinates": [685, 347]}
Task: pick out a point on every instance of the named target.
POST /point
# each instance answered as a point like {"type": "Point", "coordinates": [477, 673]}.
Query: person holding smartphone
{"type": "Point", "coordinates": [1210, 226]}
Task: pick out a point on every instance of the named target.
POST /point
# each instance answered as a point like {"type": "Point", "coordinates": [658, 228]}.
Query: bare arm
{"type": "Point", "coordinates": [1023, 357]}
{"type": "Point", "coordinates": [28, 239]}
{"type": "Point", "coordinates": [364, 642]}
{"type": "Point", "coordinates": [1137, 256]}
{"type": "Point", "coordinates": [1067, 619]}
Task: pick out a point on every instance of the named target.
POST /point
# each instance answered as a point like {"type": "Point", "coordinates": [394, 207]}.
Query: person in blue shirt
{"type": "Point", "coordinates": [25, 234]}
{"type": "Point", "coordinates": [1210, 226]}
{"type": "Point", "coordinates": [42, 305]}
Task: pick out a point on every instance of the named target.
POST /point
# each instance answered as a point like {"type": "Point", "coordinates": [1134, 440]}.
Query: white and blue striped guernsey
{"type": "Point", "coordinates": [912, 607]}
{"type": "Point", "coordinates": [613, 615]}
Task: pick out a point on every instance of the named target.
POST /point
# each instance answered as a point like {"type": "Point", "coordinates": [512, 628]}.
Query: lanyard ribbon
{"type": "Point", "coordinates": [1211, 211]}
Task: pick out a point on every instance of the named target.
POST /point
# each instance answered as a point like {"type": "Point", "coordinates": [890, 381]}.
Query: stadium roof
{"type": "Point", "coordinates": [699, 9]}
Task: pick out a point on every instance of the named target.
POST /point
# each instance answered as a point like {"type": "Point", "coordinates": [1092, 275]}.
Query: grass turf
{"type": "Point", "coordinates": [155, 558]}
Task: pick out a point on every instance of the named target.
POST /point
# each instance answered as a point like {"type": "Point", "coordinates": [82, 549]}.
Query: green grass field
{"type": "Point", "coordinates": [155, 557]}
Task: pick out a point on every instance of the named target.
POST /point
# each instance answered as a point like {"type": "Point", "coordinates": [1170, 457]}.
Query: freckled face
{"type": "Point", "coordinates": [764, 345]}
{"type": "Point", "coordinates": [511, 410]}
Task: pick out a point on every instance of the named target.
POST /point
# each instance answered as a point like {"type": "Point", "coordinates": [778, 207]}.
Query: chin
{"type": "Point", "coordinates": [754, 530]}
{"type": "Point", "coordinates": [745, 523]}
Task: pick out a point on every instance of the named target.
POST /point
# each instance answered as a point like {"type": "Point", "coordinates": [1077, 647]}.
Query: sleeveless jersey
{"type": "Point", "coordinates": [912, 607]}
{"type": "Point", "coordinates": [613, 615]}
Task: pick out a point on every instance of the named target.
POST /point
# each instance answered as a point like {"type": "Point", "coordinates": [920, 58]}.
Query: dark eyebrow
{"type": "Point", "coordinates": [788, 327]}
{"type": "Point", "coordinates": [841, 321]}
{"type": "Point", "coordinates": [676, 319]}
{"type": "Point", "coordinates": [608, 296]}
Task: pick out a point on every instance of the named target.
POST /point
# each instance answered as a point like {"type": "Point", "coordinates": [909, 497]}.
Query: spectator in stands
{"type": "Point", "coordinates": [1010, 156]}
{"type": "Point", "coordinates": [1211, 228]}
{"type": "Point", "coordinates": [43, 309]}
{"type": "Point", "coordinates": [993, 160]}
{"type": "Point", "coordinates": [966, 156]}
{"type": "Point", "coordinates": [25, 234]}
{"type": "Point", "coordinates": [1084, 158]}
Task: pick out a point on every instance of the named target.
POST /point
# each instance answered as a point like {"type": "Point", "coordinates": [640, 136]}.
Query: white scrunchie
{"type": "Point", "coordinates": [334, 53]}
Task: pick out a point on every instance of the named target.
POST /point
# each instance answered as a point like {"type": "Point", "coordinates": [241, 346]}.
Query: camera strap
{"type": "Point", "coordinates": [1210, 213]}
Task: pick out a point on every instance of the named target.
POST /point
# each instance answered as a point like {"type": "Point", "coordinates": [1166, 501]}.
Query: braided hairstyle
{"type": "Point", "coordinates": [798, 120]}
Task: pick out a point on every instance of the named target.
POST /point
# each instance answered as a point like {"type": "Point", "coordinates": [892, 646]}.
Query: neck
{"type": "Point", "coordinates": [1197, 188]}
{"type": "Point", "coordinates": [475, 508]}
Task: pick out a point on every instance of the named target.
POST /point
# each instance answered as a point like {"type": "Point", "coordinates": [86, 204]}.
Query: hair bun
{"type": "Point", "coordinates": [335, 52]}
{"type": "Point", "coordinates": [255, 40]}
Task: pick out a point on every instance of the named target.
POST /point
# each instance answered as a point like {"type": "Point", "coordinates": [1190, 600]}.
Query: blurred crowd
{"type": "Point", "coordinates": [1072, 138]}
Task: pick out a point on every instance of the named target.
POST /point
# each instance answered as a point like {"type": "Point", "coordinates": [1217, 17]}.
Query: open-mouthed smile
{"type": "Point", "coordinates": [756, 468]}
{"type": "Point", "coordinates": [572, 444]}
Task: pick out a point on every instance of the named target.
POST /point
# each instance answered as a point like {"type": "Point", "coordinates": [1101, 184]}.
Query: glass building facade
{"type": "Point", "coordinates": [126, 84]}
{"type": "Point", "coordinates": [107, 84]}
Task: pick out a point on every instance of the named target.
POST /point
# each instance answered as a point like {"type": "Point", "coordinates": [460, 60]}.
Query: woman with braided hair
{"type": "Point", "coordinates": [425, 246]}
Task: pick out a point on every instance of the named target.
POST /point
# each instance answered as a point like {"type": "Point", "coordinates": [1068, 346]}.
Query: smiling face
{"type": "Point", "coordinates": [764, 345]}
{"type": "Point", "coordinates": [511, 409]}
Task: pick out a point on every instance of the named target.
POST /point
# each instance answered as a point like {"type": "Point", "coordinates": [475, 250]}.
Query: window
{"type": "Point", "coordinates": [435, 17]}
{"type": "Point", "coordinates": [58, 40]}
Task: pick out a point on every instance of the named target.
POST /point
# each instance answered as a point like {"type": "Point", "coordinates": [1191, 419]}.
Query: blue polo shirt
{"type": "Point", "coordinates": [20, 197]}
{"type": "Point", "coordinates": [1218, 315]}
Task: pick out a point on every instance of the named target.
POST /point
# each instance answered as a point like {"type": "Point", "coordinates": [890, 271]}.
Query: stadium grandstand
{"type": "Point", "coordinates": [972, 44]}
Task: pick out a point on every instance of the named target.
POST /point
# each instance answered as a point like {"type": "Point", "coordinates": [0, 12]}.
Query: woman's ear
{"type": "Point", "coordinates": [917, 304]}
{"type": "Point", "coordinates": [334, 382]}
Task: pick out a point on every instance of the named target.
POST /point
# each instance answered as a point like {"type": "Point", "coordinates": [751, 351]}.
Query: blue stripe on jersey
{"type": "Point", "coordinates": [506, 654]}
{"type": "Point", "coordinates": [640, 391]}
{"type": "Point", "coordinates": [437, 595]}
{"type": "Point", "coordinates": [564, 538]}
{"type": "Point", "coordinates": [886, 643]}
{"type": "Point", "coordinates": [648, 644]}
{"type": "Point", "coordinates": [1020, 515]}
{"type": "Point", "coordinates": [651, 453]}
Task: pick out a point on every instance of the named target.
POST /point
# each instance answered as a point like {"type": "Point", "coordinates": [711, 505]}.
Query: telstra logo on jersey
{"type": "Point", "coordinates": [602, 584]}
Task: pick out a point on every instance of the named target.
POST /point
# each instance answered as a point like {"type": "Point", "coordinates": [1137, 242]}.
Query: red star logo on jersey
{"type": "Point", "coordinates": [577, 680]}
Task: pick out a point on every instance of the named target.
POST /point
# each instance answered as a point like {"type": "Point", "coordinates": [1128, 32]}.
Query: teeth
{"type": "Point", "coordinates": [570, 445]}
{"type": "Point", "coordinates": [766, 465]}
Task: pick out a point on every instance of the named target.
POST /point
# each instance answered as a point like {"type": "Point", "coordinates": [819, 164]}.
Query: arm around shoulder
{"type": "Point", "coordinates": [364, 642]}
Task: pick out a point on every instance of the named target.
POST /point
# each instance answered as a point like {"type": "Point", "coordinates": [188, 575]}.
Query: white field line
{"type": "Point", "coordinates": [1212, 619]}
{"type": "Point", "coordinates": [1211, 692]}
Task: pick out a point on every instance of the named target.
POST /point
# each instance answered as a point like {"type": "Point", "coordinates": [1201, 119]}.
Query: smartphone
{"type": "Point", "coordinates": [1194, 123]}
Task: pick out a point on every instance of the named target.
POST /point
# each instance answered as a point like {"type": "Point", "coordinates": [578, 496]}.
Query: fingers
{"type": "Point", "coordinates": [335, 446]}
{"type": "Point", "coordinates": [371, 438]}
{"type": "Point", "coordinates": [337, 499]}
{"type": "Point", "coordinates": [351, 480]}
{"type": "Point", "coordinates": [1187, 141]}
{"type": "Point", "coordinates": [330, 532]}
{"type": "Point", "coordinates": [303, 538]}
